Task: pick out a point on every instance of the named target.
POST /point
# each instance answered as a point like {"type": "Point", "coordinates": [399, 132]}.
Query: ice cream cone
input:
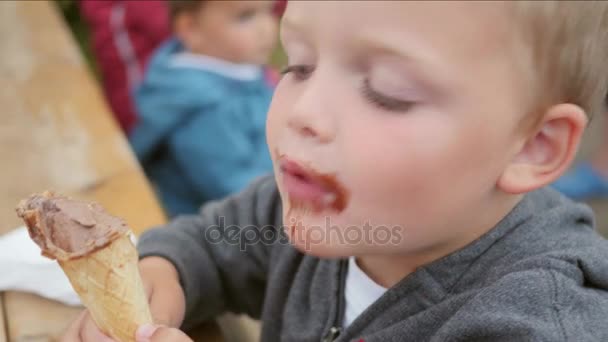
{"type": "Point", "coordinates": [108, 283]}
{"type": "Point", "coordinates": [95, 252]}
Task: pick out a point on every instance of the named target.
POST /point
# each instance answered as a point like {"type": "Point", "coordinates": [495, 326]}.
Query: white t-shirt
{"type": "Point", "coordinates": [360, 292]}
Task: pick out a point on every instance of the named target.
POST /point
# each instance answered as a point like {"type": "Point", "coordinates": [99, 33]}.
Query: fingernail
{"type": "Point", "coordinates": [144, 332]}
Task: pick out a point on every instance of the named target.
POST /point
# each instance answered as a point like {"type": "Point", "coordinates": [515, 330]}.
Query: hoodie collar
{"type": "Point", "coordinates": [239, 72]}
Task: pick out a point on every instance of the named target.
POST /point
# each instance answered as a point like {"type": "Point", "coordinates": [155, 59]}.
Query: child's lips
{"type": "Point", "coordinates": [307, 186]}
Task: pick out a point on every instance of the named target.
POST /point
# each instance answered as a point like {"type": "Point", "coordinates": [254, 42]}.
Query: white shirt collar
{"type": "Point", "coordinates": [241, 72]}
{"type": "Point", "coordinates": [360, 292]}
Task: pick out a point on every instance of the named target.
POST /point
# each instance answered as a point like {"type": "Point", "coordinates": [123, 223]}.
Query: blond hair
{"type": "Point", "coordinates": [569, 51]}
{"type": "Point", "coordinates": [177, 7]}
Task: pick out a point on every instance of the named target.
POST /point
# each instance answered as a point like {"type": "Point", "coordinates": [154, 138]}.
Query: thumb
{"type": "Point", "coordinates": [145, 332]}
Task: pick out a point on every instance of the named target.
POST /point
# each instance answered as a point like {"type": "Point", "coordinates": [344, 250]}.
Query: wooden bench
{"type": "Point", "coordinates": [56, 132]}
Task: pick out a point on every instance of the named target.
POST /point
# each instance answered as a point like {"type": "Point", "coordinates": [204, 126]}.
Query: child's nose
{"type": "Point", "coordinates": [311, 114]}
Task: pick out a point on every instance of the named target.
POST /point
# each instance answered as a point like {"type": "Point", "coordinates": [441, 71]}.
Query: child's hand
{"type": "Point", "coordinates": [158, 333]}
{"type": "Point", "coordinates": [165, 295]}
{"type": "Point", "coordinates": [84, 330]}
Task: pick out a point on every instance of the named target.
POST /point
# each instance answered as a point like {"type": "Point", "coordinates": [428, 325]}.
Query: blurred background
{"type": "Point", "coordinates": [71, 14]}
{"type": "Point", "coordinates": [169, 93]}
{"type": "Point", "coordinates": [110, 101]}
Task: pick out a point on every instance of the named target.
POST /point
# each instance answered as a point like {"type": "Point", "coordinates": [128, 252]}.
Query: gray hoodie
{"type": "Point", "coordinates": [540, 275]}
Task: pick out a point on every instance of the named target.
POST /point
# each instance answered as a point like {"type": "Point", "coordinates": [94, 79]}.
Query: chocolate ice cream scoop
{"type": "Point", "coordinates": [65, 228]}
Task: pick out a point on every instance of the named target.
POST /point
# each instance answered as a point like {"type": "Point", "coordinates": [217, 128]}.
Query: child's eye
{"type": "Point", "coordinates": [300, 72]}
{"type": "Point", "coordinates": [246, 15]}
{"type": "Point", "coordinates": [384, 101]}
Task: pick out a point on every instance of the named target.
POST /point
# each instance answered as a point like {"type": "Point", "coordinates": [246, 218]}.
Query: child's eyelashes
{"type": "Point", "coordinates": [384, 101]}
{"type": "Point", "coordinates": [300, 72]}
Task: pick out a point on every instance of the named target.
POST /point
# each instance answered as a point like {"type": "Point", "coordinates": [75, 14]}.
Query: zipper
{"type": "Point", "coordinates": [332, 335]}
{"type": "Point", "coordinates": [336, 329]}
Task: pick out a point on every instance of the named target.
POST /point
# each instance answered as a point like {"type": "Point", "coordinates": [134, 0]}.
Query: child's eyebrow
{"type": "Point", "coordinates": [425, 69]}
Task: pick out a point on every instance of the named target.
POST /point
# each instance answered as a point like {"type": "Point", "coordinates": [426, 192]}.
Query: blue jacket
{"type": "Point", "coordinates": [201, 129]}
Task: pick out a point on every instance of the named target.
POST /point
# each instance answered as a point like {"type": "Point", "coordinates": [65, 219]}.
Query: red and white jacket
{"type": "Point", "coordinates": [124, 33]}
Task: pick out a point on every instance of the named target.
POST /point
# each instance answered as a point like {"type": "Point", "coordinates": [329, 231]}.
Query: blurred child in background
{"type": "Point", "coordinates": [124, 34]}
{"type": "Point", "coordinates": [202, 104]}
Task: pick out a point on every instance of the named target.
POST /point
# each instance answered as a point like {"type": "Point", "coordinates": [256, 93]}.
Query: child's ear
{"type": "Point", "coordinates": [547, 152]}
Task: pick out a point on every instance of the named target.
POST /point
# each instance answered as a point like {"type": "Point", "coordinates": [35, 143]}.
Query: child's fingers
{"type": "Point", "coordinates": [91, 333]}
{"type": "Point", "coordinates": [158, 333]}
{"type": "Point", "coordinates": [84, 330]}
{"type": "Point", "coordinates": [165, 295]}
{"type": "Point", "coordinates": [72, 334]}
{"type": "Point", "coordinates": [164, 305]}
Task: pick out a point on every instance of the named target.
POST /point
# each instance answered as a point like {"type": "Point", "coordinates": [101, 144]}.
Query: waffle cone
{"type": "Point", "coordinates": [109, 285]}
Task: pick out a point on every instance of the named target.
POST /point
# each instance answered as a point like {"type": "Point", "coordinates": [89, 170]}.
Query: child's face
{"type": "Point", "coordinates": [237, 31]}
{"type": "Point", "coordinates": [413, 107]}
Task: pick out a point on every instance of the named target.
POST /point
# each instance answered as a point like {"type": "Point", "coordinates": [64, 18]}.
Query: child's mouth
{"type": "Point", "coordinates": [307, 187]}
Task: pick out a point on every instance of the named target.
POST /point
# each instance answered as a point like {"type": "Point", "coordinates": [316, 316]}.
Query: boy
{"type": "Point", "coordinates": [410, 142]}
{"type": "Point", "coordinates": [202, 105]}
